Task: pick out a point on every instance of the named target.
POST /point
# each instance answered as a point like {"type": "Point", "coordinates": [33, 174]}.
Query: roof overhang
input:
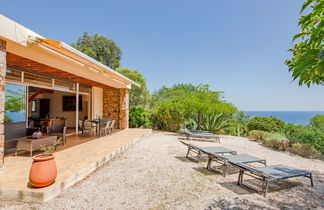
{"type": "Point", "coordinates": [59, 55]}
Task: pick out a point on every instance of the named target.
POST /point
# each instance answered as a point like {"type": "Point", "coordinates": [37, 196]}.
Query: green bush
{"type": "Point", "coordinates": [259, 136]}
{"type": "Point", "coordinates": [138, 117]}
{"type": "Point", "coordinates": [169, 115]}
{"type": "Point", "coordinates": [277, 141]}
{"type": "Point", "coordinates": [305, 150]}
{"type": "Point", "coordinates": [306, 135]}
{"type": "Point", "coordinates": [317, 122]}
{"type": "Point", "coordinates": [236, 129]}
{"type": "Point", "coordinates": [267, 124]}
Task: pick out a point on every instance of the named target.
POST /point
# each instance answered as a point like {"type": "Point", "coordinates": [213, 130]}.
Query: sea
{"type": "Point", "coordinates": [295, 117]}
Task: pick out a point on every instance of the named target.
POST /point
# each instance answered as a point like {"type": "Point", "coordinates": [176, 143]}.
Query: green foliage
{"type": "Point", "coordinates": [169, 115]}
{"type": "Point", "coordinates": [138, 117]}
{"type": "Point", "coordinates": [277, 141]}
{"type": "Point", "coordinates": [138, 96]}
{"type": "Point", "coordinates": [100, 48]}
{"type": "Point", "coordinates": [305, 135]}
{"type": "Point", "coordinates": [236, 129]}
{"type": "Point", "coordinates": [186, 102]}
{"type": "Point", "coordinates": [215, 122]}
{"type": "Point", "coordinates": [259, 136]}
{"type": "Point", "coordinates": [268, 124]}
{"type": "Point", "coordinates": [304, 150]}
{"type": "Point", "coordinates": [307, 63]}
{"type": "Point", "coordinates": [317, 122]}
{"type": "Point", "coordinates": [15, 102]}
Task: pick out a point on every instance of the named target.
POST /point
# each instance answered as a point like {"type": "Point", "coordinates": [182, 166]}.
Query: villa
{"type": "Point", "coordinates": [43, 82]}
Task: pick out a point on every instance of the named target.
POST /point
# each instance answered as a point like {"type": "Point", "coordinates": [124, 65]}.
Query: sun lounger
{"type": "Point", "coordinates": [198, 150]}
{"type": "Point", "coordinates": [225, 160]}
{"type": "Point", "coordinates": [201, 135]}
{"type": "Point", "coordinates": [271, 173]}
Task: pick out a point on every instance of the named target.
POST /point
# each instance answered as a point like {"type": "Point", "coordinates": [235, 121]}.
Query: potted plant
{"type": "Point", "coordinates": [43, 171]}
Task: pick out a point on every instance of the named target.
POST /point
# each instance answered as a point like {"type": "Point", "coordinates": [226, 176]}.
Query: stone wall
{"type": "Point", "coordinates": [116, 106]}
{"type": "Point", "coordinates": [2, 96]}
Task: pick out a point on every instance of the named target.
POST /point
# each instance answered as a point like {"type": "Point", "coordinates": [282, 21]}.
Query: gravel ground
{"type": "Point", "coordinates": [154, 174]}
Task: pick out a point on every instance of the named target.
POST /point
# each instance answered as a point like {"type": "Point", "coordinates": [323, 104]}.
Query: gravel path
{"type": "Point", "coordinates": [154, 174]}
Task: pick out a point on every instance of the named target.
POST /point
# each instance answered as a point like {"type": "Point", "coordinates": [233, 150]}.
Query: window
{"type": "Point", "coordinates": [15, 110]}
{"type": "Point", "coordinates": [37, 79]}
{"type": "Point", "coordinates": [62, 85]}
{"type": "Point", "coordinates": [13, 75]}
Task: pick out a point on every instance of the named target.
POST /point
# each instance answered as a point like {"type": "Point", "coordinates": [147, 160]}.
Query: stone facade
{"type": "Point", "coordinates": [116, 106]}
{"type": "Point", "coordinates": [2, 96]}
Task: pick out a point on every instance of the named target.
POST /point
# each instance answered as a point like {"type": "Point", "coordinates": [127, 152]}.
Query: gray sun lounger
{"type": "Point", "coordinates": [201, 135]}
{"type": "Point", "coordinates": [206, 150]}
{"type": "Point", "coordinates": [225, 160]}
{"type": "Point", "coordinates": [271, 173]}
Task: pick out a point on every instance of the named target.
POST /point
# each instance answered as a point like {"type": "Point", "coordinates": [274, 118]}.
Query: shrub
{"type": "Point", "coordinates": [317, 121]}
{"type": "Point", "coordinates": [277, 141]}
{"type": "Point", "coordinates": [259, 135]}
{"type": "Point", "coordinates": [266, 124]}
{"type": "Point", "coordinates": [236, 129]}
{"type": "Point", "coordinates": [306, 135]}
{"type": "Point", "coordinates": [169, 115]}
{"type": "Point", "coordinates": [305, 150]}
{"type": "Point", "coordinates": [214, 122]}
{"type": "Point", "coordinates": [138, 117]}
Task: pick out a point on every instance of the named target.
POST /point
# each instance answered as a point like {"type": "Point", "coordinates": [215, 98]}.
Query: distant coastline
{"type": "Point", "coordinates": [295, 117]}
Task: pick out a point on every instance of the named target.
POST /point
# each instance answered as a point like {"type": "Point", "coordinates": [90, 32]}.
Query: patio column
{"type": "Point", "coordinates": [116, 106]}
{"type": "Point", "coordinates": [77, 109]}
{"type": "Point", "coordinates": [123, 108]}
{"type": "Point", "coordinates": [3, 67]}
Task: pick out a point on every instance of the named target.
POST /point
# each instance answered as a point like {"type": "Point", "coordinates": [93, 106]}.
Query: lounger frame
{"type": "Point", "coordinates": [225, 162]}
{"type": "Point", "coordinates": [201, 135]}
{"type": "Point", "coordinates": [266, 179]}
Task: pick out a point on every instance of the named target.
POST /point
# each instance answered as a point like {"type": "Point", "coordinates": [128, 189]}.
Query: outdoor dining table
{"type": "Point", "coordinates": [98, 123]}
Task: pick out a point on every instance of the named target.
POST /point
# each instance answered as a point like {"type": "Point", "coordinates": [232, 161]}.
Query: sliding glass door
{"type": "Point", "coordinates": [15, 103]}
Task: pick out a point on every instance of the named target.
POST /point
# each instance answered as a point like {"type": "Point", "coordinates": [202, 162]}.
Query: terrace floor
{"type": "Point", "coordinates": [75, 160]}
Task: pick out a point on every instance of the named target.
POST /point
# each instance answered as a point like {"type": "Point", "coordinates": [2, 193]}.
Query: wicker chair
{"type": "Point", "coordinates": [58, 129]}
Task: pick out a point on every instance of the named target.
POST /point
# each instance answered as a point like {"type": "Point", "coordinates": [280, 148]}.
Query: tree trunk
{"type": "Point", "coordinates": [199, 121]}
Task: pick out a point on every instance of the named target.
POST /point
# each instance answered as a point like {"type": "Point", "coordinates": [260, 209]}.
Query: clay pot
{"type": "Point", "coordinates": [43, 170]}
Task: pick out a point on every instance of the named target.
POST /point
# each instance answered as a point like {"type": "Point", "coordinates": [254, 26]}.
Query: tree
{"type": "Point", "coordinates": [99, 48]}
{"type": "Point", "coordinates": [138, 96]}
{"type": "Point", "coordinates": [307, 63]}
{"type": "Point", "coordinates": [317, 121]}
{"type": "Point", "coordinates": [193, 100]}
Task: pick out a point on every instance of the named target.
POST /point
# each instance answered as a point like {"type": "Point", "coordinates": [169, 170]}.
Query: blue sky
{"type": "Point", "coordinates": [235, 46]}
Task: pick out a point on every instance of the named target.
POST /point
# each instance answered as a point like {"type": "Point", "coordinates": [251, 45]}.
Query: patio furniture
{"type": "Point", "coordinates": [185, 130]}
{"type": "Point", "coordinates": [98, 124]}
{"type": "Point", "coordinates": [225, 160]}
{"type": "Point", "coordinates": [31, 145]}
{"type": "Point", "coordinates": [58, 128]}
{"type": "Point", "coordinates": [32, 128]}
{"type": "Point", "coordinates": [105, 126]}
{"type": "Point", "coordinates": [88, 128]}
{"type": "Point", "coordinates": [111, 128]}
{"type": "Point", "coordinates": [201, 135]}
{"type": "Point", "coordinates": [271, 173]}
{"type": "Point", "coordinates": [206, 150]}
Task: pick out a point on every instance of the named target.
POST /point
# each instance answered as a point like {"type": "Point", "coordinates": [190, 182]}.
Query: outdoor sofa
{"type": "Point", "coordinates": [200, 135]}
{"type": "Point", "coordinates": [271, 173]}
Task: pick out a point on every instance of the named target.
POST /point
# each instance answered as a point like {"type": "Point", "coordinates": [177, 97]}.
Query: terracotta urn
{"type": "Point", "coordinates": [43, 171]}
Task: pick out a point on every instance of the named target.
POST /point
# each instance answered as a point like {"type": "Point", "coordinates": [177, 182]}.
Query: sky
{"type": "Point", "coordinates": [238, 47]}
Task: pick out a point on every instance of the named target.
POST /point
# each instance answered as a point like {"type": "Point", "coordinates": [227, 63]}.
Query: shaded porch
{"type": "Point", "coordinates": [74, 162]}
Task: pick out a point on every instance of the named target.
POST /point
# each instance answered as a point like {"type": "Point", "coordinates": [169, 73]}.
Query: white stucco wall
{"type": "Point", "coordinates": [97, 98]}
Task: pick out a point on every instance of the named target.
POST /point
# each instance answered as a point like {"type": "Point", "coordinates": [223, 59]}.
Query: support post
{"type": "Point", "coordinates": [77, 109]}
{"type": "Point", "coordinates": [3, 69]}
